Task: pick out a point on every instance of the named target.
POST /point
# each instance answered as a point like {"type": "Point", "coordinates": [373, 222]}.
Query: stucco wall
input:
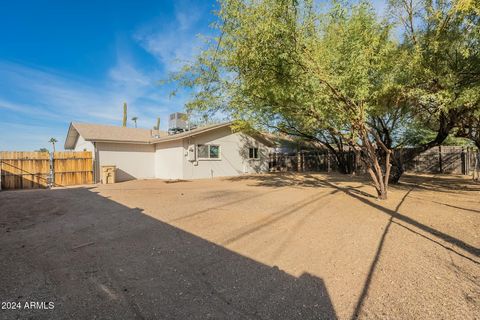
{"type": "Point", "coordinates": [233, 155]}
{"type": "Point", "coordinates": [169, 160]}
{"type": "Point", "coordinates": [82, 145]}
{"type": "Point", "coordinates": [133, 161]}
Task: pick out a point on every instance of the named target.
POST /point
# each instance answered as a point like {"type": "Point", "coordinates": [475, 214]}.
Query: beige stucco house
{"type": "Point", "coordinates": [206, 152]}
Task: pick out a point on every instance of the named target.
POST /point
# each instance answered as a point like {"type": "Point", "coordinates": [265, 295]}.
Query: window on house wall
{"type": "Point", "coordinates": [253, 153]}
{"type": "Point", "coordinates": [208, 151]}
{"type": "Point", "coordinates": [214, 152]}
{"type": "Point", "coordinates": [202, 151]}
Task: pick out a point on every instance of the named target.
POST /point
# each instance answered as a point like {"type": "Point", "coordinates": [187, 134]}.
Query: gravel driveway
{"type": "Point", "coordinates": [284, 246]}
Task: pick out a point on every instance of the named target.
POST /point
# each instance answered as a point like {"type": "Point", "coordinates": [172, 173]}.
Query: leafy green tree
{"type": "Point", "coordinates": [441, 38]}
{"type": "Point", "coordinates": [417, 135]}
{"type": "Point", "coordinates": [337, 76]}
{"type": "Point", "coordinates": [285, 64]}
{"type": "Point", "coordinates": [470, 129]}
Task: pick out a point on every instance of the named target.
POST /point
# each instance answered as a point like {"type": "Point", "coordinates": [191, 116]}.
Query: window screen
{"type": "Point", "coordinates": [208, 151]}
{"type": "Point", "coordinates": [202, 151]}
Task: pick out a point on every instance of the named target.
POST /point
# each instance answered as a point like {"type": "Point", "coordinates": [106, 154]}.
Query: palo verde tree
{"type": "Point", "coordinates": [290, 65]}
{"type": "Point", "coordinates": [353, 62]}
{"type": "Point", "coordinates": [469, 128]}
{"type": "Point", "coordinates": [442, 39]}
{"type": "Point", "coordinates": [287, 64]}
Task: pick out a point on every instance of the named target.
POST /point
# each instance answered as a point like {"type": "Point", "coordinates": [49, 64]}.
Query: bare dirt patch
{"type": "Point", "coordinates": [284, 246]}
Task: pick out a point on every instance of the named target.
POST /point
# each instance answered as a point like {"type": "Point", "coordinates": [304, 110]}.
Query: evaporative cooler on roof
{"type": "Point", "coordinates": [178, 120]}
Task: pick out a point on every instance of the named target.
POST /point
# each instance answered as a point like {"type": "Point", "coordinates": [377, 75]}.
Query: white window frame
{"type": "Point", "coordinates": [208, 152]}
{"type": "Point", "coordinates": [258, 154]}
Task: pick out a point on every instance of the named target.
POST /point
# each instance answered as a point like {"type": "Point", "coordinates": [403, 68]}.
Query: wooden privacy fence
{"type": "Point", "coordinates": [443, 159]}
{"type": "Point", "coordinates": [28, 170]}
{"type": "Point", "coordinates": [308, 161]}
{"type": "Point", "coordinates": [24, 170]}
{"type": "Point", "coordinates": [72, 168]}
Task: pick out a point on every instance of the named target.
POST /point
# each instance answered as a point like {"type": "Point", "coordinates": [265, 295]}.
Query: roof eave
{"type": "Point", "coordinates": [118, 141]}
{"type": "Point", "coordinates": [71, 145]}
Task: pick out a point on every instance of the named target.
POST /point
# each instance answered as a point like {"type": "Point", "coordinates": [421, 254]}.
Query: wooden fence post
{"type": "Point", "coordinates": [303, 161]}
{"type": "Point", "coordinates": [476, 160]}
{"type": "Point", "coordinates": [328, 161]}
{"type": "Point", "coordinates": [440, 162]}
{"type": "Point", "coordinates": [299, 158]}
{"type": "Point", "coordinates": [51, 179]}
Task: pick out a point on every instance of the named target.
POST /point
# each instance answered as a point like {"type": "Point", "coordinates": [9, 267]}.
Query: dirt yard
{"type": "Point", "coordinates": [280, 246]}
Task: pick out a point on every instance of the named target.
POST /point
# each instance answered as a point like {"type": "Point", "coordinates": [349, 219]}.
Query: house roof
{"type": "Point", "coordinates": [106, 133]}
{"type": "Point", "coordinates": [191, 133]}
{"type": "Point", "coordinates": [98, 132]}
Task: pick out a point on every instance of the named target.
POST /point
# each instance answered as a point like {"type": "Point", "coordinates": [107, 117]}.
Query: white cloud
{"type": "Point", "coordinates": [174, 43]}
{"type": "Point", "coordinates": [38, 103]}
{"type": "Point", "coordinates": [31, 96]}
{"type": "Point", "coordinates": [186, 17]}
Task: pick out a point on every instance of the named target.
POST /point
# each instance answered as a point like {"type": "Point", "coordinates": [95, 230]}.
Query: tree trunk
{"type": "Point", "coordinates": [371, 157]}
{"type": "Point", "coordinates": [446, 123]}
{"type": "Point", "coordinates": [396, 173]}
{"type": "Point", "coordinates": [378, 181]}
{"type": "Point", "coordinates": [397, 168]}
{"type": "Point", "coordinates": [342, 162]}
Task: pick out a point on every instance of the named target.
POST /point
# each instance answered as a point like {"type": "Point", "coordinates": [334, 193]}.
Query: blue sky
{"type": "Point", "coordinates": [63, 61]}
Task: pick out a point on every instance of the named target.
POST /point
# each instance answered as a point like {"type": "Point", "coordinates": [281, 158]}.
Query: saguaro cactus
{"type": "Point", "coordinates": [124, 114]}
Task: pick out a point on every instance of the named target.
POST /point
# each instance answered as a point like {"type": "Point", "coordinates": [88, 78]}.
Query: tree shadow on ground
{"type": "Point", "coordinates": [293, 179]}
{"type": "Point", "coordinates": [438, 183]}
{"type": "Point", "coordinates": [248, 197]}
{"type": "Point", "coordinates": [331, 180]}
{"type": "Point", "coordinates": [450, 205]}
{"type": "Point", "coordinates": [273, 218]}
{"type": "Point", "coordinates": [423, 183]}
{"type": "Point", "coordinates": [101, 259]}
{"type": "Point", "coordinates": [395, 214]}
{"type": "Point", "coordinates": [413, 182]}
